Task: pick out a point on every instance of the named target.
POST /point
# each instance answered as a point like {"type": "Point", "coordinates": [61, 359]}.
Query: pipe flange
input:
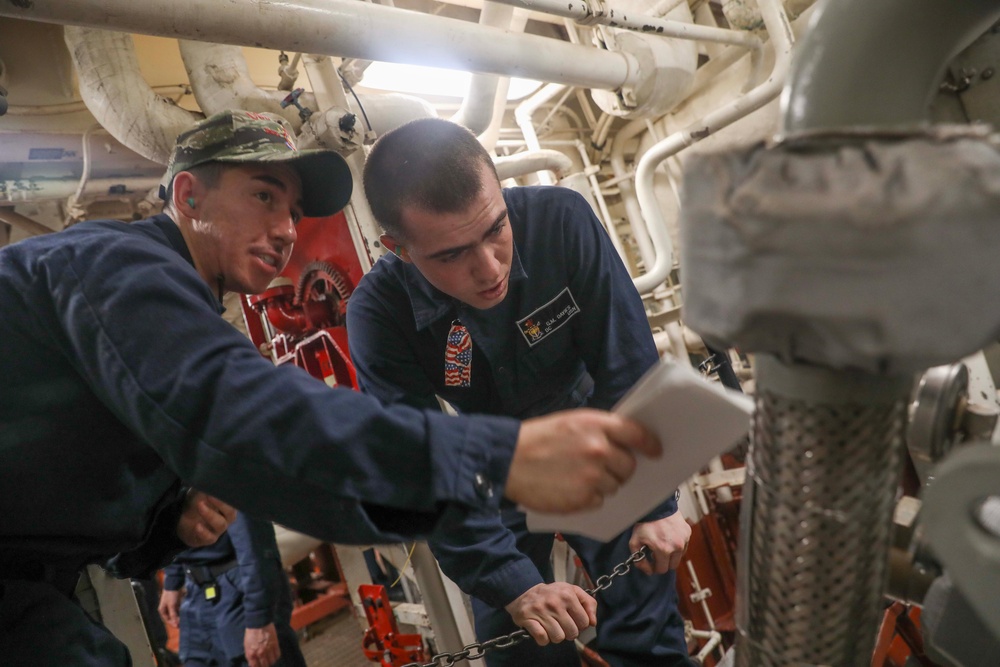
{"type": "Point", "coordinates": [873, 254]}
{"type": "Point", "coordinates": [933, 425]}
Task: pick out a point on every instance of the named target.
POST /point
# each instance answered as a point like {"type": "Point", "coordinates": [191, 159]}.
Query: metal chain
{"type": "Point", "coordinates": [478, 650]}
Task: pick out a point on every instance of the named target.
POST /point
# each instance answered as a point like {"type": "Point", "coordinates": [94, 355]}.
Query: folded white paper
{"type": "Point", "coordinates": [695, 420]}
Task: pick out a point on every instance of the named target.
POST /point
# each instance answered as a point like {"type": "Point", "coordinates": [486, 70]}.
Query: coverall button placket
{"type": "Point", "coordinates": [503, 379]}
{"type": "Point", "coordinates": [484, 487]}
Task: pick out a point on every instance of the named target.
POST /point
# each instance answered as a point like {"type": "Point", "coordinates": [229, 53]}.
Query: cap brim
{"type": "Point", "coordinates": [327, 182]}
{"type": "Point", "coordinates": [326, 178]}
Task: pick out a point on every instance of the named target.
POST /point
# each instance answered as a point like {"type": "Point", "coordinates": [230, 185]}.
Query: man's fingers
{"type": "Point", "coordinates": [228, 512]}
{"type": "Point", "coordinates": [554, 629]}
{"type": "Point", "coordinates": [632, 435]}
{"type": "Point", "coordinates": [586, 614]}
{"type": "Point", "coordinates": [217, 514]}
{"type": "Point", "coordinates": [537, 632]}
{"type": "Point", "coordinates": [620, 464]}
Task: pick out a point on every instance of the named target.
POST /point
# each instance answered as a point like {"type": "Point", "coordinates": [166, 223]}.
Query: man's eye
{"type": "Point", "coordinates": [264, 196]}
{"type": "Point", "coordinates": [450, 257]}
{"type": "Point", "coordinates": [296, 216]}
{"type": "Point", "coordinates": [496, 230]}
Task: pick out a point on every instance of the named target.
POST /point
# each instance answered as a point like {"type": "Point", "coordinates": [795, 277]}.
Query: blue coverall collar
{"type": "Point", "coordinates": [176, 240]}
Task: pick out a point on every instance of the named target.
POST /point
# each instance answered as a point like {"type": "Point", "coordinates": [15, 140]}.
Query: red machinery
{"type": "Point", "coordinates": [383, 642]}
{"type": "Point", "coordinates": [299, 319]}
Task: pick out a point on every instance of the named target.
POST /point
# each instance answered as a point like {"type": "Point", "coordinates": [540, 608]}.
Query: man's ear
{"type": "Point", "coordinates": [185, 200]}
{"type": "Point", "coordinates": [395, 247]}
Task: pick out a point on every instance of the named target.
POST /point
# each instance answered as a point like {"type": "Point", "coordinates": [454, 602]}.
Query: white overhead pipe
{"type": "Point", "coordinates": [221, 80]}
{"type": "Point", "coordinates": [523, 113]}
{"type": "Point", "coordinates": [519, 164]}
{"type": "Point", "coordinates": [590, 171]}
{"type": "Point", "coordinates": [46, 189]}
{"type": "Point", "coordinates": [288, 71]}
{"type": "Point", "coordinates": [633, 212]}
{"type": "Point", "coordinates": [119, 98]}
{"type": "Point", "coordinates": [348, 28]}
{"type": "Point", "coordinates": [624, 178]}
{"type": "Point", "coordinates": [328, 87]}
{"type": "Point", "coordinates": [476, 112]}
{"type": "Point", "coordinates": [780, 32]}
{"type": "Point", "coordinates": [580, 11]}
{"type": "Point", "coordinates": [85, 175]}
{"type": "Point", "coordinates": [387, 111]}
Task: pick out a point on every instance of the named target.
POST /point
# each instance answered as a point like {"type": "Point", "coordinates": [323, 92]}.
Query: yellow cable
{"type": "Point", "coordinates": [405, 563]}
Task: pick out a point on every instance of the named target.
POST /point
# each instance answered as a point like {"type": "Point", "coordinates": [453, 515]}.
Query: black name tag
{"type": "Point", "coordinates": [557, 312]}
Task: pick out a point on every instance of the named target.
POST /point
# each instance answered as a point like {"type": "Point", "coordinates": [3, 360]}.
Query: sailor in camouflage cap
{"type": "Point", "coordinates": [234, 136]}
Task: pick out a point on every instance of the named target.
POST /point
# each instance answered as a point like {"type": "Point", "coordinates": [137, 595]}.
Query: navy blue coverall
{"type": "Point", "coordinates": [234, 584]}
{"type": "Point", "coordinates": [120, 379]}
{"type": "Point", "coordinates": [572, 331]}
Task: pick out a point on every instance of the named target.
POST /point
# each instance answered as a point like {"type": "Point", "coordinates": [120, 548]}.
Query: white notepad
{"type": "Point", "coordinates": [695, 420]}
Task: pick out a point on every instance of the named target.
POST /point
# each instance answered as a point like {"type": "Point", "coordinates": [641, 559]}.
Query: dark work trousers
{"type": "Point", "coordinates": [41, 626]}
{"type": "Point", "coordinates": [638, 624]}
{"type": "Point", "coordinates": [212, 632]}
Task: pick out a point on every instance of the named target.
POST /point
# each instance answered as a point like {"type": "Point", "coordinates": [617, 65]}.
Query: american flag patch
{"type": "Point", "coordinates": [458, 357]}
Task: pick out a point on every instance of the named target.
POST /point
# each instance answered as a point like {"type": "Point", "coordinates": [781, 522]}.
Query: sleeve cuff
{"type": "Point", "coordinates": [474, 474]}
{"type": "Point", "coordinates": [256, 619]}
{"type": "Point", "coordinates": [667, 508]}
{"type": "Point", "coordinates": [508, 583]}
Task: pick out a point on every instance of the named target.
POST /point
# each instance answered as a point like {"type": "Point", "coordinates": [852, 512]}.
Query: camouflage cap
{"type": "Point", "coordinates": [246, 136]}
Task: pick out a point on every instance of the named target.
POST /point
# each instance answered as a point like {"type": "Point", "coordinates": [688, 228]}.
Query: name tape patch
{"type": "Point", "coordinates": [546, 319]}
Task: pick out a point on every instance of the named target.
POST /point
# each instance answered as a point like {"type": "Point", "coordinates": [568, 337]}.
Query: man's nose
{"type": "Point", "coordinates": [487, 269]}
{"type": "Point", "coordinates": [284, 229]}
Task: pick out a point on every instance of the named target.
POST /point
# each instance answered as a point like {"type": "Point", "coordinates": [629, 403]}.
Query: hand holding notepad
{"type": "Point", "coordinates": [695, 420]}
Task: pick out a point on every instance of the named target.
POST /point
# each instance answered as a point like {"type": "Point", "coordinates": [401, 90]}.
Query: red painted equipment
{"type": "Point", "coordinates": [383, 642]}
{"type": "Point", "coordinates": [300, 318]}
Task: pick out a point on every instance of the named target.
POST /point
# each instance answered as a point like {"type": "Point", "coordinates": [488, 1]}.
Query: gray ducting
{"type": "Point", "coordinates": [878, 64]}
{"type": "Point", "coordinates": [826, 441]}
{"type": "Point", "coordinates": [119, 98]}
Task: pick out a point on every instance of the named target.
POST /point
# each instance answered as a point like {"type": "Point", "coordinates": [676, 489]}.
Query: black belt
{"type": "Point", "coordinates": [207, 574]}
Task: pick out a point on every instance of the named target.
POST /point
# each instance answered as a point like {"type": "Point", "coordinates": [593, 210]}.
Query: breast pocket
{"type": "Point", "coordinates": [554, 377]}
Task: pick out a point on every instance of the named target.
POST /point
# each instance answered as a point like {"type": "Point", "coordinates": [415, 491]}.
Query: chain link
{"type": "Point", "coordinates": [478, 650]}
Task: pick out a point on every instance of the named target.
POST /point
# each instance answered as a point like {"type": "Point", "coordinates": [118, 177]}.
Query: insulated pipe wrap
{"type": "Point", "coordinates": [119, 98]}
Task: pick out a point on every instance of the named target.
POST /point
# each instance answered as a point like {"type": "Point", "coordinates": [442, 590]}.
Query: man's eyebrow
{"type": "Point", "coordinates": [457, 249]}
{"type": "Point", "coordinates": [273, 180]}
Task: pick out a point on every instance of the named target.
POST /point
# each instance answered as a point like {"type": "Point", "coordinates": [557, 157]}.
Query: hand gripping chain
{"type": "Point", "coordinates": [478, 650]}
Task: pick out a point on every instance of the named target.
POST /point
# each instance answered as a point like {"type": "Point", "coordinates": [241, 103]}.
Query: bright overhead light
{"type": "Point", "coordinates": [421, 80]}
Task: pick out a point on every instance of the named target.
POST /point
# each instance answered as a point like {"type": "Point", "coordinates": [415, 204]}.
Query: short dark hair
{"type": "Point", "coordinates": [208, 174]}
{"type": "Point", "coordinates": [430, 163]}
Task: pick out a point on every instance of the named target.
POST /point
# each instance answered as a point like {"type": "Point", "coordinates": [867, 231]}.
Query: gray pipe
{"type": "Point", "coordinates": [824, 461]}
{"type": "Point", "coordinates": [865, 63]}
